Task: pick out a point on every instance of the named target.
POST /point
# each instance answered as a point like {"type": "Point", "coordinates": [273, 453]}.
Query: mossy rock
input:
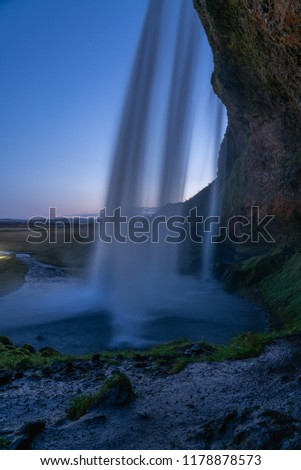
{"type": "Point", "coordinates": [49, 352]}
{"type": "Point", "coordinates": [282, 291]}
{"type": "Point", "coordinates": [5, 341]}
{"type": "Point", "coordinates": [11, 347]}
{"type": "Point", "coordinates": [29, 348]}
{"type": "Point", "coordinates": [117, 390]}
{"type": "Point", "coordinates": [255, 269]}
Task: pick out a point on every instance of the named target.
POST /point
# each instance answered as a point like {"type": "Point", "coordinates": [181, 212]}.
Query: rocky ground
{"type": "Point", "coordinates": [247, 404]}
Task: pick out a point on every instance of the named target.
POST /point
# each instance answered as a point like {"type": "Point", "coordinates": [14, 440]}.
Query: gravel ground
{"type": "Point", "coordinates": [248, 404]}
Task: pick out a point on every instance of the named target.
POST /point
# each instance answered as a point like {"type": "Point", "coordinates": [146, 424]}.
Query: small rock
{"type": "Point", "coordinates": [118, 391]}
{"type": "Point", "coordinates": [69, 369]}
{"type": "Point", "coordinates": [48, 352]}
{"type": "Point", "coordinates": [96, 419]}
{"type": "Point", "coordinates": [32, 428]}
{"type": "Point", "coordinates": [139, 358]}
{"type": "Point", "coordinates": [29, 348]}
{"type": "Point", "coordinates": [285, 379]}
{"type": "Point", "coordinates": [34, 377]}
{"type": "Point", "coordinates": [26, 435]}
{"type": "Point", "coordinates": [40, 337]}
{"type": "Point", "coordinates": [5, 377]}
{"type": "Point", "coordinates": [196, 349]}
{"type": "Point", "coordinates": [144, 415]}
{"type": "Point", "coordinates": [193, 350]}
{"type": "Point", "coordinates": [96, 357]}
{"type": "Point", "coordinates": [21, 443]}
{"type": "Point", "coordinates": [19, 375]}
{"type": "Point", "coordinates": [5, 341]}
{"type": "Point", "coordinates": [140, 365]}
{"type": "Point", "coordinates": [46, 372]}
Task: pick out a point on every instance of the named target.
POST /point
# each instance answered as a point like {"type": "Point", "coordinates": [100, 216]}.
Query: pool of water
{"type": "Point", "coordinates": [58, 310]}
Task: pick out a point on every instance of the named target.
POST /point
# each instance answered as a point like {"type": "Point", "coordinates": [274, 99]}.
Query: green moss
{"type": "Point", "coordinates": [235, 186]}
{"type": "Point", "coordinates": [255, 269]}
{"type": "Point", "coordinates": [5, 341]}
{"type": "Point", "coordinates": [12, 358]}
{"type": "Point", "coordinates": [180, 364]}
{"type": "Point", "coordinates": [244, 346]}
{"type": "Point", "coordinates": [29, 348]}
{"type": "Point", "coordinates": [81, 404]}
{"type": "Point", "coordinates": [282, 291]}
{"type": "Point", "coordinates": [274, 280]}
{"type": "Point", "coordinates": [164, 355]}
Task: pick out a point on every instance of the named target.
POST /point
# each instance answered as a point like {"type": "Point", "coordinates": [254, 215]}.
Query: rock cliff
{"type": "Point", "coordinates": [257, 54]}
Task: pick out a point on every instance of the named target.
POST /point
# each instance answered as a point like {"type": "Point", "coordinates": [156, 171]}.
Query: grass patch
{"type": "Point", "coordinates": [244, 346]}
{"type": "Point", "coordinates": [168, 356]}
{"type": "Point", "coordinates": [181, 363]}
{"type": "Point", "coordinates": [12, 358]}
{"type": "Point", "coordinates": [12, 273]}
{"type": "Point", "coordinates": [80, 405]}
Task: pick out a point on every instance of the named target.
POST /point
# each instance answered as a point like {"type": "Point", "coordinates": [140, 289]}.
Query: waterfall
{"type": "Point", "coordinates": [215, 200]}
{"type": "Point", "coordinates": [150, 160]}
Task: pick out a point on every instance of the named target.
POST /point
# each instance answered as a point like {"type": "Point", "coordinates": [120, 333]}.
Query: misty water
{"type": "Point", "coordinates": [134, 295]}
{"type": "Point", "coordinates": [55, 309]}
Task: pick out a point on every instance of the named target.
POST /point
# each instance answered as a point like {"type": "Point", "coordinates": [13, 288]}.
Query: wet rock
{"type": "Point", "coordinates": [194, 350]}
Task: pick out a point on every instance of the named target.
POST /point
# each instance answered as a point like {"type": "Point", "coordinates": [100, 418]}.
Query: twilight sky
{"type": "Point", "coordinates": [64, 68]}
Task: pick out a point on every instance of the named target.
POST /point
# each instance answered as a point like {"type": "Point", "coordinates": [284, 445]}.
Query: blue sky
{"type": "Point", "coordinates": [64, 68]}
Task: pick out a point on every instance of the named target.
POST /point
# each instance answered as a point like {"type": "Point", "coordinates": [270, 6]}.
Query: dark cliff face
{"type": "Point", "coordinates": [257, 52]}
